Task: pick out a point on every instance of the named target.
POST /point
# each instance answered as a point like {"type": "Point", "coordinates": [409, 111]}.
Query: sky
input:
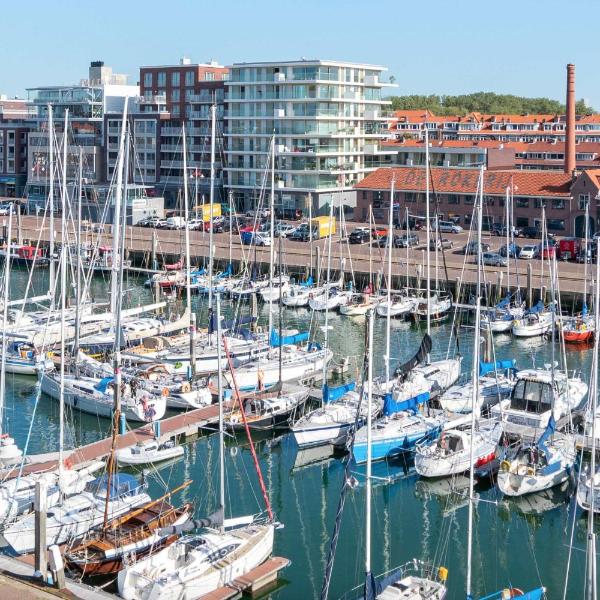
{"type": "Point", "coordinates": [436, 46]}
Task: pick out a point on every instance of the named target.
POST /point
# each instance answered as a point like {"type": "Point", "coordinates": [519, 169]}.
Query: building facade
{"type": "Point", "coordinates": [15, 124]}
{"type": "Point", "coordinates": [326, 117]}
{"type": "Point", "coordinates": [453, 194]}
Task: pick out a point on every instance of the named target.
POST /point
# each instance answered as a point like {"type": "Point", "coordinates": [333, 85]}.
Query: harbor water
{"type": "Point", "coordinates": [522, 543]}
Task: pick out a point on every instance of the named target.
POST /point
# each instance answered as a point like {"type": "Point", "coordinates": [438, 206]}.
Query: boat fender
{"type": "Point", "coordinates": [530, 471]}
{"type": "Point", "coordinates": [505, 465]}
{"type": "Point", "coordinates": [165, 392]}
{"type": "Point", "coordinates": [186, 387]}
{"type": "Point", "coordinates": [442, 574]}
{"type": "Point", "coordinates": [233, 451]}
{"type": "Point", "coordinates": [68, 463]}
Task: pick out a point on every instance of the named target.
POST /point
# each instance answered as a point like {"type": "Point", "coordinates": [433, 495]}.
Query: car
{"type": "Point", "coordinates": [360, 235]}
{"type": "Point", "coordinates": [471, 248]}
{"type": "Point", "coordinates": [512, 250]}
{"type": "Point", "coordinates": [493, 259]}
{"type": "Point", "coordinates": [195, 224]}
{"type": "Point", "coordinates": [382, 241]}
{"type": "Point", "coordinates": [301, 233]}
{"type": "Point", "coordinates": [283, 229]}
{"type": "Point", "coordinates": [449, 227]}
{"type": "Point", "coordinates": [5, 209]}
{"type": "Point", "coordinates": [258, 238]}
{"type": "Point", "coordinates": [547, 250]}
{"type": "Point", "coordinates": [500, 230]}
{"type": "Point", "coordinates": [378, 232]}
{"type": "Point", "coordinates": [148, 222]}
{"type": "Point", "coordinates": [218, 224]}
{"type": "Point", "coordinates": [535, 233]}
{"type": "Point", "coordinates": [528, 252]}
{"type": "Point", "coordinates": [440, 244]}
{"type": "Point", "coordinates": [406, 240]}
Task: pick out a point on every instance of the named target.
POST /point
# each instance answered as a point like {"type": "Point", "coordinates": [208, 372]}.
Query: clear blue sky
{"type": "Point", "coordinates": [442, 46]}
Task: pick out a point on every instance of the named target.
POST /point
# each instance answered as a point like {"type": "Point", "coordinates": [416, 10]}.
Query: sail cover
{"type": "Point", "coordinates": [499, 365]}
{"type": "Point", "coordinates": [331, 394]}
{"type": "Point", "coordinates": [228, 324]}
{"type": "Point", "coordinates": [390, 406]}
{"type": "Point", "coordinates": [418, 358]}
{"type": "Point", "coordinates": [276, 341]}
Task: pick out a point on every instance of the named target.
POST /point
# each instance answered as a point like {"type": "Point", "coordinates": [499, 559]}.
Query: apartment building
{"type": "Point", "coordinates": [171, 95]}
{"type": "Point", "coordinates": [87, 103]}
{"type": "Point", "coordinates": [327, 117]}
{"type": "Point", "coordinates": [453, 193]}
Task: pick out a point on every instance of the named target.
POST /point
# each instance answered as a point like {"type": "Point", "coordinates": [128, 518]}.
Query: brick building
{"type": "Point", "coordinates": [453, 193]}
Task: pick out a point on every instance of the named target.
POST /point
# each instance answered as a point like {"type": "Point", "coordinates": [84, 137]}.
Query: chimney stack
{"type": "Point", "coordinates": [570, 137]}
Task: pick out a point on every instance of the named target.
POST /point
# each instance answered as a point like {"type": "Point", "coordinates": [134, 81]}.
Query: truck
{"type": "Point", "coordinates": [323, 227]}
{"type": "Point", "coordinates": [203, 211]}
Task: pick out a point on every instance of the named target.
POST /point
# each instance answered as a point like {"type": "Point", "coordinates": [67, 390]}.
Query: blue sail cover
{"type": "Point", "coordinates": [226, 273]}
{"type": "Point", "coordinates": [331, 394]}
{"type": "Point", "coordinates": [550, 429]}
{"type": "Point", "coordinates": [307, 283]}
{"type": "Point", "coordinates": [584, 310]}
{"type": "Point", "coordinates": [277, 341]}
{"type": "Point", "coordinates": [499, 365]}
{"type": "Point", "coordinates": [390, 406]}
{"type": "Point", "coordinates": [229, 324]}
{"type": "Point", "coordinates": [539, 307]}
{"type": "Point", "coordinates": [504, 302]}
{"type": "Point", "coordinates": [103, 384]}
{"type": "Point", "coordinates": [536, 594]}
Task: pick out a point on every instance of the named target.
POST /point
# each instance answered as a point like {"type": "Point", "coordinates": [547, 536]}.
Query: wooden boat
{"type": "Point", "coordinates": [143, 531]}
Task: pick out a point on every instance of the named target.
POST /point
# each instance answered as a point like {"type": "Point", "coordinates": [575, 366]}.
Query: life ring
{"type": "Point", "coordinates": [505, 465]}
{"type": "Point", "coordinates": [165, 392]}
{"type": "Point", "coordinates": [186, 387]}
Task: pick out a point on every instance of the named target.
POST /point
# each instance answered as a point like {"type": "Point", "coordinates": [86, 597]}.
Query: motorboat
{"type": "Point", "coordinates": [535, 322]}
{"type": "Point", "coordinates": [399, 307]}
{"type": "Point", "coordinates": [145, 453]}
{"type": "Point", "coordinates": [330, 299]}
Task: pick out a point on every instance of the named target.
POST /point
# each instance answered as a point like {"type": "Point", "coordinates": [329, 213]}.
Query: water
{"type": "Point", "coordinates": [520, 543]}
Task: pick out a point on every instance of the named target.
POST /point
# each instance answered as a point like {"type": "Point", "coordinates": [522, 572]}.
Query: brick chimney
{"type": "Point", "coordinates": [570, 137]}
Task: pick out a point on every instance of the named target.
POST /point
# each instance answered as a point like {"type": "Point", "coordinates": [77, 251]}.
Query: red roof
{"type": "Point", "coordinates": [464, 181]}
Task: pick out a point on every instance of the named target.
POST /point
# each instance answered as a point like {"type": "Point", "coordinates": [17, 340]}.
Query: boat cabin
{"type": "Point", "coordinates": [532, 396]}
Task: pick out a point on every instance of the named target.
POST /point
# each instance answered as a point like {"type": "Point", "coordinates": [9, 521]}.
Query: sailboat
{"type": "Point", "coordinates": [200, 563]}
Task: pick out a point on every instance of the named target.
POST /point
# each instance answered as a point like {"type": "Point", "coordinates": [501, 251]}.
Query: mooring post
{"type": "Point", "coordinates": [40, 506]}
{"type": "Point", "coordinates": [154, 247]}
{"type": "Point", "coordinates": [57, 566]}
{"type": "Point", "coordinates": [529, 285]}
{"type": "Point", "coordinates": [318, 264]}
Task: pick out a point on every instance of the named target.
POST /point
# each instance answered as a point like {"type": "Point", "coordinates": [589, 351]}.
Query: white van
{"type": "Point", "coordinates": [175, 223]}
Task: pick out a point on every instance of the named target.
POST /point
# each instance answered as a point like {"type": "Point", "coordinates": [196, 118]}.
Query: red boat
{"type": "Point", "coordinates": [174, 266]}
{"type": "Point", "coordinates": [580, 331]}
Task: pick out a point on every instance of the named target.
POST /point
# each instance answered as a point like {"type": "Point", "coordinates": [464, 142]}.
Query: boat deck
{"type": "Point", "coordinates": [257, 579]}
{"type": "Point", "coordinates": [180, 427]}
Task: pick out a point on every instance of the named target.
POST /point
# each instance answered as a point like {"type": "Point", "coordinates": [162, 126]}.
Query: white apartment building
{"type": "Point", "coordinates": [327, 117]}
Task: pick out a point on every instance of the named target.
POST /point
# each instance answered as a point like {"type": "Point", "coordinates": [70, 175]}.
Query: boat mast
{"type": "Point", "coordinates": [79, 297]}
{"type": "Point", "coordinates": [221, 432]}
{"type": "Point", "coordinates": [114, 299]}
{"type": "Point", "coordinates": [590, 580]}
{"type": "Point", "coordinates": [428, 230]}
{"type": "Point", "coordinates": [188, 267]}
{"type": "Point", "coordinates": [369, 454]}
{"type": "Point", "coordinates": [326, 327]}
{"type": "Point", "coordinates": [475, 396]}
{"type": "Point", "coordinates": [407, 250]}
{"type": "Point", "coordinates": [122, 164]}
{"type": "Point", "coordinates": [585, 262]}
{"type": "Point", "coordinates": [213, 118]}
{"type": "Point", "coordinates": [63, 298]}
{"type": "Point", "coordinates": [5, 317]}
{"type": "Point", "coordinates": [52, 271]}
{"type": "Point", "coordinates": [388, 321]}
{"type": "Point", "coordinates": [507, 202]}
{"type": "Point", "coordinates": [271, 247]}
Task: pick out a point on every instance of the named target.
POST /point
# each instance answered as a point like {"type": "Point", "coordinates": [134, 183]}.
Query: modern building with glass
{"type": "Point", "coordinates": [328, 118]}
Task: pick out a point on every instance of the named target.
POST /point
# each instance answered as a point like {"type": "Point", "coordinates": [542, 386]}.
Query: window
{"type": "Point", "coordinates": [175, 95]}
{"type": "Point", "coordinates": [209, 76]}
{"type": "Point", "coordinates": [522, 202]}
{"type": "Point", "coordinates": [175, 110]}
{"type": "Point", "coordinates": [162, 79]}
{"type": "Point", "coordinates": [453, 199]}
{"type": "Point", "coordinates": [582, 201]}
{"type": "Point", "coordinates": [556, 225]}
{"type": "Point", "coordinates": [189, 78]}
{"type": "Point", "coordinates": [522, 222]}
{"type": "Point", "coordinates": [538, 203]}
{"type": "Point", "coordinates": [175, 78]}
{"type": "Point", "coordinates": [469, 200]}
{"type": "Point", "coordinates": [148, 79]}
{"type": "Point", "coordinates": [558, 203]}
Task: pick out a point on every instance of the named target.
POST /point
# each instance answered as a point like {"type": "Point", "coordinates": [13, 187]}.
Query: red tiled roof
{"type": "Point", "coordinates": [416, 143]}
{"type": "Point", "coordinates": [464, 181]}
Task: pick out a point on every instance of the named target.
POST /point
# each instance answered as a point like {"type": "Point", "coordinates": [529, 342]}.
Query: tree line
{"type": "Point", "coordinates": [486, 103]}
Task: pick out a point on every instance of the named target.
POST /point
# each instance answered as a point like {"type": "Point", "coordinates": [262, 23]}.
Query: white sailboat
{"type": "Point", "coordinates": [200, 563]}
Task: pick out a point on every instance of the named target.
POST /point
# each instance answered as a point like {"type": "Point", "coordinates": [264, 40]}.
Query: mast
{"type": "Point", "coordinates": [52, 273]}
{"type": "Point", "coordinates": [310, 202]}
{"type": "Point", "coordinates": [407, 250]}
{"type": "Point", "coordinates": [213, 111]}
{"type": "Point", "coordinates": [326, 331]}
{"type": "Point", "coordinates": [388, 321]}
{"type": "Point", "coordinates": [475, 396]}
{"type": "Point", "coordinates": [188, 267]}
{"type": "Point", "coordinates": [369, 436]}
{"type": "Point", "coordinates": [590, 580]}
{"type": "Point", "coordinates": [229, 266]}
{"type": "Point", "coordinates": [63, 297]}
{"type": "Point", "coordinates": [271, 248]}
{"type": "Point", "coordinates": [428, 230]}
{"type": "Point", "coordinates": [585, 262]}
{"type": "Point", "coordinates": [114, 299]}
{"type": "Point", "coordinates": [507, 202]}
{"type": "Point", "coordinates": [5, 318]}
{"type": "Point", "coordinates": [79, 297]}
{"type": "Point", "coordinates": [221, 432]}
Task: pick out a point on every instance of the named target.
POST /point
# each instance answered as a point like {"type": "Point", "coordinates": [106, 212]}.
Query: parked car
{"type": "Point", "coordinates": [528, 252]}
{"type": "Point", "coordinates": [5, 209]}
{"type": "Point", "coordinates": [283, 229]}
{"type": "Point", "coordinates": [360, 235]}
{"type": "Point", "coordinates": [149, 222]}
{"type": "Point", "coordinates": [407, 240]}
{"type": "Point", "coordinates": [547, 250]}
{"type": "Point", "coordinates": [472, 248]}
{"type": "Point", "coordinates": [500, 230]}
{"type": "Point", "coordinates": [258, 238]}
{"type": "Point", "coordinates": [512, 250]}
{"type": "Point", "coordinates": [534, 233]}
{"type": "Point", "coordinates": [378, 232]}
{"type": "Point", "coordinates": [440, 244]}
{"type": "Point", "coordinates": [449, 227]}
{"type": "Point", "coordinates": [493, 259]}
{"type": "Point", "coordinates": [301, 234]}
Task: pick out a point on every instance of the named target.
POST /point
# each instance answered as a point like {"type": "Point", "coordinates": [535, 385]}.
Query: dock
{"type": "Point", "coordinates": [180, 427]}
